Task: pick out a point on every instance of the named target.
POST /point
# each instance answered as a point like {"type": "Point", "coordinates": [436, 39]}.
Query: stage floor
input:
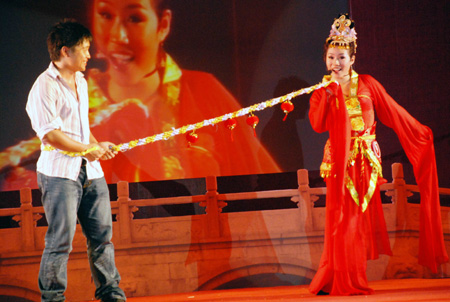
{"type": "Point", "coordinates": [386, 290]}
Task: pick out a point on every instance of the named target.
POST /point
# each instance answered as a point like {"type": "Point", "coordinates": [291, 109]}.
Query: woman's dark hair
{"type": "Point", "coordinates": [160, 6]}
{"type": "Point", "coordinates": [67, 33]}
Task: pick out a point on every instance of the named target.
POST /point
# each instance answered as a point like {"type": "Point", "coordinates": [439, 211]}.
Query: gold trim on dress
{"type": "Point", "coordinates": [361, 147]}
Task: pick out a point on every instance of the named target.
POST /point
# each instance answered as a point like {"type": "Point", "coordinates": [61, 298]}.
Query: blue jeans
{"type": "Point", "coordinates": [64, 202]}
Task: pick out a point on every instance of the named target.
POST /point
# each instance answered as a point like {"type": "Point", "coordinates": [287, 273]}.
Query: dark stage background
{"type": "Point", "coordinates": [259, 49]}
{"type": "Point", "coordinates": [406, 49]}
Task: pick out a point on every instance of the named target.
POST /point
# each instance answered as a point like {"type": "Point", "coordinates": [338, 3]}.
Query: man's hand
{"type": "Point", "coordinates": [109, 152]}
{"type": "Point", "coordinates": [96, 154]}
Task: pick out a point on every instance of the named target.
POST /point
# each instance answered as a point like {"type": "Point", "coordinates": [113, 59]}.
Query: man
{"type": "Point", "coordinates": [73, 187]}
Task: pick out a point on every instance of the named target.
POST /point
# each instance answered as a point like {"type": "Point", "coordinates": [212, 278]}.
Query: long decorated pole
{"type": "Point", "coordinates": [210, 122]}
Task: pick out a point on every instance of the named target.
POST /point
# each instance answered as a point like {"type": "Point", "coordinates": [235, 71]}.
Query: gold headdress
{"type": "Point", "coordinates": [342, 33]}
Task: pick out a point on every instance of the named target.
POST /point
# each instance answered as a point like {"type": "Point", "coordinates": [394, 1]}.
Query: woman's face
{"type": "Point", "coordinates": [128, 33]}
{"type": "Point", "coordinates": [338, 62]}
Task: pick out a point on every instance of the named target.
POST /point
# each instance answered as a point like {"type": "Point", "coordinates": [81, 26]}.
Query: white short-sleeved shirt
{"type": "Point", "coordinates": [51, 105]}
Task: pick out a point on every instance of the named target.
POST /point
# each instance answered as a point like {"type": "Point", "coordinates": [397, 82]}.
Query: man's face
{"type": "Point", "coordinates": [128, 34]}
{"type": "Point", "coordinates": [79, 56]}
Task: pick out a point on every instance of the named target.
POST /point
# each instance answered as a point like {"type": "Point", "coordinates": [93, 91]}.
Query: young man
{"type": "Point", "coordinates": [73, 187]}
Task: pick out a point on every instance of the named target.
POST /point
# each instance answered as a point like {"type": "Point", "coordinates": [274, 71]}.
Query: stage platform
{"type": "Point", "coordinates": [429, 290]}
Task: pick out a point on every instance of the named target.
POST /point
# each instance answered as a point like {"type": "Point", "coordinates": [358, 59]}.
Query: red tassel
{"type": "Point", "coordinates": [252, 121]}
{"type": "Point", "coordinates": [191, 137]}
{"type": "Point", "coordinates": [231, 124]}
{"type": "Point", "coordinates": [287, 107]}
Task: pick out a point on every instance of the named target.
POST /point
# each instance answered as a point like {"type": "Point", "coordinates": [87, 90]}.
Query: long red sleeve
{"type": "Point", "coordinates": [328, 113]}
{"type": "Point", "coordinates": [417, 141]}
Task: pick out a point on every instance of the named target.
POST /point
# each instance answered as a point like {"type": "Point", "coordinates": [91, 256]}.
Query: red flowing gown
{"type": "Point", "coordinates": [355, 228]}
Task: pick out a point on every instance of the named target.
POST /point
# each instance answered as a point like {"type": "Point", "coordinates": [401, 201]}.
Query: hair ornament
{"type": "Point", "coordinates": [342, 32]}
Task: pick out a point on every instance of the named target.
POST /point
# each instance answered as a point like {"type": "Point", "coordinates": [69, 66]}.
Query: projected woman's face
{"type": "Point", "coordinates": [128, 33]}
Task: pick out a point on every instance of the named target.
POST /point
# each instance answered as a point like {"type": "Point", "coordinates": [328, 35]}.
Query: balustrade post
{"type": "Point", "coordinates": [305, 203]}
{"type": "Point", "coordinates": [125, 215]}
{"type": "Point", "coordinates": [212, 208]}
{"type": "Point", "coordinates": [27, 223]}
{"type": "Point", "coordinates": [400, 195]}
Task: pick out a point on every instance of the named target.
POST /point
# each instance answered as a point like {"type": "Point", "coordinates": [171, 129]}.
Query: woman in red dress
{"type": "Point", "coordinates": [355, 228]}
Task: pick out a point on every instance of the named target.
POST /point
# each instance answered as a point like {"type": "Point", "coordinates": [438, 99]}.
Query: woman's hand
{"type": "Point", "coordinates": [332, 89]}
